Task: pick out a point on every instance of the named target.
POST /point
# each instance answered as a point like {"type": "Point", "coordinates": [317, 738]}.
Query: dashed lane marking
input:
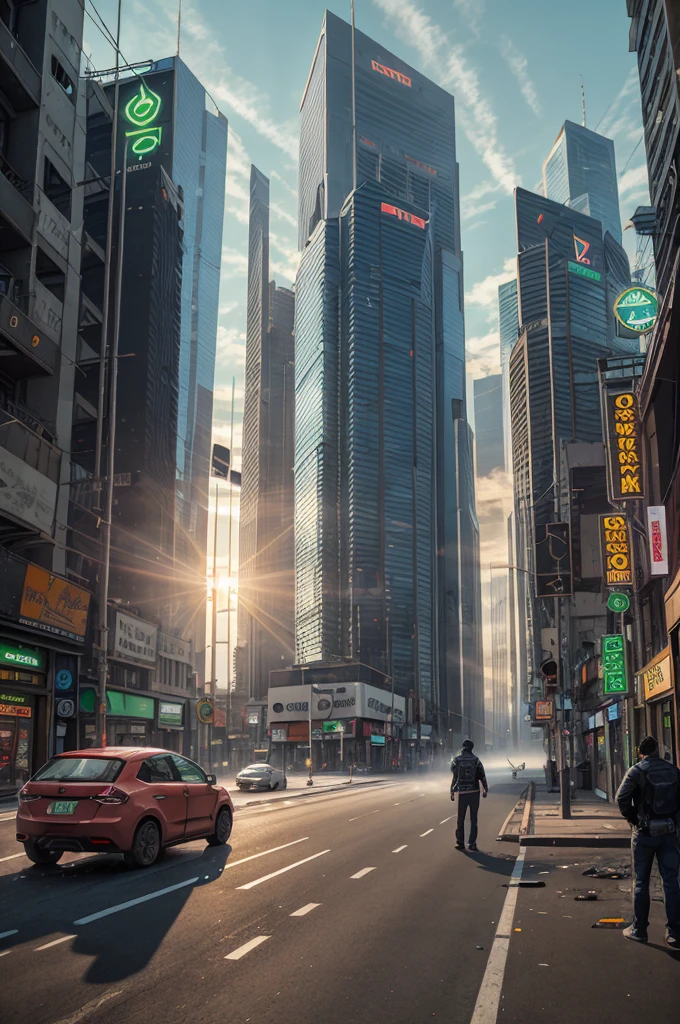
{"type": "Point", "coordinates": [360, 874]}
{"type": "Point", "coordinates": [445, 820]}
{"type": "Point", "coordinates": [246, 947]}
{"type": "Point", "coordinates": [422, 834]}
{"type": "Point", "coordinates": [5, 952]}
{"type": "Point", "coordinates": [365, 815]}
{"type": "Point", "coordinates": [281, 871]}
{"type": "Point", "coordinates": [254, 856]}
{"type": "Point", "coordinates": [54, 942]}
{"type": "Point", "coordinates": [400, 848]}
{"type": "Point", "coordinates": [305, 910]}
{"type": "Point", "coordinates": [133, 903]}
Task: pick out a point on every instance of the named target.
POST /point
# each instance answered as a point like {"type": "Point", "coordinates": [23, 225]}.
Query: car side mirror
{"type": "Point", "coordinates": [212, 780]}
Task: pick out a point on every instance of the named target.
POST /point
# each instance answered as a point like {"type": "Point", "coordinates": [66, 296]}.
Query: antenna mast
{"type": "Point", "coordinates": [583, 103]}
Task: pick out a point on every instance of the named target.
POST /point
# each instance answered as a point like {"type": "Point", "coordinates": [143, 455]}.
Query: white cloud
{"type": "Point", "coordinates": [519, 65]}
{"type": "Point", "coordinates": [485, 293]}
{"type": "Point", "coordinates": [479, 191]}
{"type": "Point", "coordinates": [470, 211]}
{"type": "Point", "coordinates": [633, 179]}
{"type": "Point", "coordinates": [282, 214]}
{"type": "Point", "coordinates": [483, 355]}
{"type": "Point", "coordinates": [472, 11]}
{"type": "Point", "coordinates": [234, 262]}
{"type": "Point", "coordinates": [275, 174]}
{"type": "Point", "coordinates": [449, 64]}
{"type": "Point", "coordinates": [630, 91]}
{"type": "Point", "coordinates": [231, 351]}
{"type": "Point", "coordinates": [286, 268]}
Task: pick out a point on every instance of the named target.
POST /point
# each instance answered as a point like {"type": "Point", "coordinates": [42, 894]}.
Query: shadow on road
{"type": "Point", "coordinates": [501, 865]}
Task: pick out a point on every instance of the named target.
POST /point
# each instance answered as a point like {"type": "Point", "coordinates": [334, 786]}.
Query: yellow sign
{"type": "Point", "coordinates": [657, 678]}
{"type": "Point", "coordinates": [624, 446]}
{"type": "Point", "coordinates": [53, 604]}
{"type": "Point", "coordinates": [308, 762]}
{"type": "Point", "coordinates": [617, 554]}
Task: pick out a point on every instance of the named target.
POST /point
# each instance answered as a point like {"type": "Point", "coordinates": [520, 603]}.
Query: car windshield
{"type": "Point", "coordinates": [80, 769]}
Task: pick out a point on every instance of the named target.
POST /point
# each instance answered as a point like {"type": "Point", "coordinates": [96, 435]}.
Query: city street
{"type": "Point", "coordinates": [343, 907]}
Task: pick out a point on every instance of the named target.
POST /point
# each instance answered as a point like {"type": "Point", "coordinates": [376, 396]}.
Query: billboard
{"type": "Point", "coordinates": [658, 540]}
{"type": "Point", "coordinates": [614, 664]}
{"type": "Point", "coordinates": [26, 494]}
{"type": "Point", "coordinates": [134, 640]}
{"type": "Point", "coordinates": [145, 127]}
{"type": "Point", "coordinates": [53, 605]}
{"type": "Point", "coordinates": [617, 551]}
{"type": "Point", "coordinates": [553, 560]}
{"type": "Point", "coordinates": [349, 700]}
{"type": "Point", "coordinates": [624, 471]}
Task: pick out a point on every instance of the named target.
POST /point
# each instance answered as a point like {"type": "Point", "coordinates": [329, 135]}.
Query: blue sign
{"type": "Point", "coordinates": [613, 712]}
{"type": "Point", "coordinates": [64, 680]}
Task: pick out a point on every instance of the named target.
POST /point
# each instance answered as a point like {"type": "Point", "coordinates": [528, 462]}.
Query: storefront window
{"type": "Point", "coordinates": [667, 738]}
{"type": "Point", "coordinates": [16, 740]}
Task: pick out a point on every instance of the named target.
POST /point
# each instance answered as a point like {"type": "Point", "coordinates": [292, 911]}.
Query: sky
{"type": "Point", "coordinates": [513, 68]}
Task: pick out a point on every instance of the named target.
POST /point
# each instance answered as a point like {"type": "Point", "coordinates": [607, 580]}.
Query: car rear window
{"type": "Point", "coordinates": [80, 769]}
{"type": "Point", "coordinates": [256, 770]}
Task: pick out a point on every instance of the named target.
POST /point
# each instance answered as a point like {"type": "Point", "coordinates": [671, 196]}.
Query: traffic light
{"type": "Point", "coordinates": [549, 672]}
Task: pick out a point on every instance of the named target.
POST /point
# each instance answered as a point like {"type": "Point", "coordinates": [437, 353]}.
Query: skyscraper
{"type": "Point", "coordinates": [580, 172]}
{"type": "Point", "coordinates": [490, 453]}
{"type": "Point", "coordinates": [266, 575]}
{"type": "Point", "coordinates": [383, 459]}
{"type": "Point", "coordinates": [508, 323]}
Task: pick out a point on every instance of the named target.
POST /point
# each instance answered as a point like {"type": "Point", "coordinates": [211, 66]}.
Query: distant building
{"type": "Point", "coordinates": [508, 323]}
{"type": "Point", "coordinates": [489, 448]}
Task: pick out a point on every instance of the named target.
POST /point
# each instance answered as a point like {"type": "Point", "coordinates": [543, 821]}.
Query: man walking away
{"type": "Point", "coordinates": [468, 772]}
{"type": "Point", "coordinates": [649, 798]}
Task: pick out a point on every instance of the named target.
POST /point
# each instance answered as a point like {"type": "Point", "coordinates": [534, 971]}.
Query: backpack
{"type": "Point", "coordinates": [660, 786]}
{"type": "Point", "coordinates": [467, 773]}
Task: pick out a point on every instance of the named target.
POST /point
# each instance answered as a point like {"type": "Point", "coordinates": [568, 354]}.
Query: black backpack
{"type": "Point", "coordinates": [660, 789]}
{"type": "Point", "coordinates": [467, 773]}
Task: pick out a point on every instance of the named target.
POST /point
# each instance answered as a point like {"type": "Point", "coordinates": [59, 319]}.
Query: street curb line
{"type": "Point", "coordinates": [608, 842]}
{"type": "Point", "coordinates": [512, 837]}
{"type": "Point", "coordinates": [528, 808]}
{"type": "Point", "coordinates": [312, 792]}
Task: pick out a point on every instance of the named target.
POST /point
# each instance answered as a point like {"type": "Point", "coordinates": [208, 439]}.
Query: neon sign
{"type": "Point", "coordinates": [637, 309]}
{"type": "Point", "coordinates": [420, 165]}
{"type": "Point", "coordinates": [410, 218]}
{"type": "Point", "coordinates": [391, 73]}
{"type": "Point", "coordinates": [581, 247]}
{"type": "Point", "coordinates": [141, 111]}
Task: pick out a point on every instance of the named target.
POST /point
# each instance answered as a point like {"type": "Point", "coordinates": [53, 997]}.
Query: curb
{"type": "Point", "coordinates": [315, 792]}
{"type": "Point", "coordinates": [527, 795]}
{"type": "Point", "coordinates": [608, 842]}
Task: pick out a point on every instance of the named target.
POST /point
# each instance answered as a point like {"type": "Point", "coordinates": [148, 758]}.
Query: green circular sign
{"type": "Point", "coordinates": [205, 711]}
{"type": "Point", "coordinates": [617, 602]}
{"type": "Point", "coordinates": [637, 309]}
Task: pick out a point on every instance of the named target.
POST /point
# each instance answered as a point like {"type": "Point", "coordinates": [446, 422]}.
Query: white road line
{"type": "Point", "coordinates": [54, 942]}
{"type": "Point", "coordinates": [397, 804]}
{"type": "Point", "coordinates": [445, 820]}
{"type": "Point", "coordinates": [4, 935]}
{"type": "Point", "coordinates": [5, 952]}
{"type": "Point", "coordinates": [399, 849]}
{"type": "Point", "coordinates": [8, 817]}
{"type": "Point", "coordinates": [488, 999]}
{"type": "Point", "coordinates": [133, 903]}
{"type": "Point", "coordinates": [12, 856]}
{"type": "Point", "coordinates": [246, 947]}
{"type": "Point", "coordinates": [360, 874]}
{"type": "Point", "coordinates": [254, 856]}
{"type": "Point", "coordinates": [365, 815]}
{"type": "Point", "coordinates": [281, 871]}
{"type": "Point", "coordinates": [305, 910]}
{"type": "Point", "coordinates": [426, 833]}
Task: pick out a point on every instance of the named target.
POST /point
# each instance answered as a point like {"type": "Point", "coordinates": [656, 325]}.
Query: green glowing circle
{"type": "Point", "coordinates": [637, 308]}
{"type": "Point", "coordinates": [143, 108]}
{"type": "Point", "coordinates": [617, 602]}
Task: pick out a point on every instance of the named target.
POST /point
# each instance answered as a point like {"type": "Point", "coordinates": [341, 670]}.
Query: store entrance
{"type": "Point", "coordinates": [15, 746]}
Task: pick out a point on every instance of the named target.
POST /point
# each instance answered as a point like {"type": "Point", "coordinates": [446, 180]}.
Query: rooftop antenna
{"type": "Point", "coordinates": [354, 109]}
{"type": "Point", "coordinates": [583, 103]}
{"type": "Point", "coordinates": [179, 24]}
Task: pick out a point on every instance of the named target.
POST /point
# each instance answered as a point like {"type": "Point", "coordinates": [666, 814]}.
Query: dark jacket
{"type": "Point", "coordinates": [479, 776]}
{"type": "Point", "coordinates": [630, 793]}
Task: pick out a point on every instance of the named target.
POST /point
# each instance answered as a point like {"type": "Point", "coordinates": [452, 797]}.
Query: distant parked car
{"type": "Point", "coordinates": [261, 776]}
{"type": "Point", "coordinates": [123, 799]}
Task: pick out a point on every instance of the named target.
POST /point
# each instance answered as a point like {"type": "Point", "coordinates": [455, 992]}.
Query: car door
{"type": "Point", "coordinates": [201, 796]}
{"type": "Point", "coordinates": [166, 795]}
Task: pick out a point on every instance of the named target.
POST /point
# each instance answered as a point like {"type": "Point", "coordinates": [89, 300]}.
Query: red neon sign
{"type": "Point", "coordinates": [581, 247]}
{"type": "Point", "coordinates": [422, 166]}
{"type": "Point", "coordinates": [410, 218]}
{"type": "Point", "coordinates": [366, 142]}
{"type": "Point", "coordinates": [391, 73]}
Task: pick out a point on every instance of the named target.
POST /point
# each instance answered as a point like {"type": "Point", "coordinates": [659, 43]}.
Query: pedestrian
{"type": "Point", "coordinates": [649, 798]}
{"type": "Point", "coordinates": [468, 772]}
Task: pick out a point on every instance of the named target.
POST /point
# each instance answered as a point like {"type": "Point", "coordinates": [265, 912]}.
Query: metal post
{"type": "Point", "coordinates": [560, 716]}
{"type": "Point", "coordinates": [103, 666]}
{"type": "Point", "coordinates": [354, 109]}
{"type": "Point", "coordinates": [231, 491]}
{"type": "Point", "coordinates": [213, 630]}
{"type": "Point", "coordinates": [310, 780]}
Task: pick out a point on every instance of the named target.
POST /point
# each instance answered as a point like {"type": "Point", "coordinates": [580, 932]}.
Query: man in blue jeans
{"type": "Point", "coordinates": [649, 798]}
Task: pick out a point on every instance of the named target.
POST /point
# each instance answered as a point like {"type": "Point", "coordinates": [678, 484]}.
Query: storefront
{"type": "Point", "coordinates": [657, 681]}
{"type": "Point", "coordinates": [130, 719]}
{"type": "Point", "coordinates": [170, 725]}
{"type": "Point", "coordinates": [23, 704]}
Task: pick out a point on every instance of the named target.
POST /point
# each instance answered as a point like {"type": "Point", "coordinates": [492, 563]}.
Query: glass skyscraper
{"type": "Point", "coordinates": [383, 454]}
{"type": "Point", "coordinates": [580, 172]}
{"type": "Point", "coordinates": [508, 323]}
{"type": "Point", "coordinates": [489, 450]}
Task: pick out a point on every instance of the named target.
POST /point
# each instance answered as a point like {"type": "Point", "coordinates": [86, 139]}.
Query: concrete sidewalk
{"type": "Point", "coordinates": [593, 823]}
{"type": "Point", "coordinates": [297, 788]}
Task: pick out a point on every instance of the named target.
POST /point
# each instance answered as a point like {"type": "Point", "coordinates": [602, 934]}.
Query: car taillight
{"type": "Point", "coordinates": [111, 795]}
{"type": "Point", "coordinates": [25, 797]}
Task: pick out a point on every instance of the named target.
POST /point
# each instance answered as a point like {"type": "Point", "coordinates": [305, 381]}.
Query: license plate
{"type": "Point", "coordinates": [62, 807]}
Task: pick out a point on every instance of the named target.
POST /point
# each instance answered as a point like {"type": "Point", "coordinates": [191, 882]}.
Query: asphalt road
{"type": "Point", "coordinates": [337, 908]}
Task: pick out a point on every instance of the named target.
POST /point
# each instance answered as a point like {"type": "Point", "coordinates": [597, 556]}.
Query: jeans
{"type": "Point", "coordinates": [466, 800]}
{"type": "Point", "coordinates": [667, 853]}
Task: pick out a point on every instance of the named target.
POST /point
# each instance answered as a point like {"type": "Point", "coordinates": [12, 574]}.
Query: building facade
{"type": "Point", "coordinates": [508, 324]}
{"type": "Point", "coordinates": [382, 456]}
{"type": "Point", "coordinates": [489, 446]}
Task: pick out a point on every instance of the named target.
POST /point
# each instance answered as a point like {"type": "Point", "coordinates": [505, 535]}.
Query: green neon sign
{"type": "Point", "coordinates": [141, 111]}
{"type": "Point", "coordinates": [618, 602]}
{"type": "Point", "coordinates": [21, 657]}
{"type": "Point", "coordinates": [578, 268]}
{"type": "Point", "coordinates": [614, 664]}
{"type": "Point", "coordinates": [637, 309]}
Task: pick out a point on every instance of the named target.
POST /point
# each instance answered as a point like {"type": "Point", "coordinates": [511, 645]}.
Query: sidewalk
{"type": "Point", "coordinates": [326, 782]}
{"type": "Point", "coordinates": [594, 822]}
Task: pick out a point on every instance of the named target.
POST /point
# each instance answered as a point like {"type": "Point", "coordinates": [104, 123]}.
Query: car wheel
{"type": "Point", "coordinates": [275, 786]}
{"type": "Point", "coordinates": [222, 828]}
{"type": "Point", "coordinates": [39, 854]}
{"type": "Point", "coordinates": [146, 846]}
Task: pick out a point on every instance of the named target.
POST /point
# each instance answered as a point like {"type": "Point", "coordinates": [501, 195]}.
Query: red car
{"type": "Point", "coordinates": [134, 801]}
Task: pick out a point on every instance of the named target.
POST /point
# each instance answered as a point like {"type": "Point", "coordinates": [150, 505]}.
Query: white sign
{"type": "Point", "coordinates": [134, 640]}
{"type": "Point", "coordinates": [347, 700]}
{"type": "Point", "coordinates": [658, 540]}
{"type": "Point", "coordinates": [25, 493]}
{"type": "Point", "coordinates": [253, 718]}
{"type": "Point", "coordinates": [174, 648]}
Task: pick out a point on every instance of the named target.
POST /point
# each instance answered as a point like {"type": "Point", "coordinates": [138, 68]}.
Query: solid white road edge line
{"type": "Point", "coordinates": [254, 856]}
{"type": "Point", "coordinates": [305, 910]}
{"type": "Point", "coordinates": [488, 999]}
{"type": "Point", "coordinates": [281, 871]}
{"type": "Point", "coordinates": [133, 903]}
{"type": "Point", "coordinates": [399, 849]}
{"type": "Point", "coordinates": [54, 942]}
{"type": "Point", "coordinates": [246, 947]}
{"type": "Point", "coordinates": [360, 874]}
{"type": "Point", "coordinates": [426, 833]}
{"type": "Point", "coordinates": [12, 856]}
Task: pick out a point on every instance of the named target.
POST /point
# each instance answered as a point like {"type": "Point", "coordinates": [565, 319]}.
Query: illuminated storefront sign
{"type": "Point", "coordinates": [141, 111]}
{"type": "Point", "coordinates": [657, 677]}
{"type": "Point", "coordinates": [581, 247]}
{"type": "Point", "coordinates": [614, 664]}
{"type": "Point", "coordinates": [391, 73]}
{"type": "Point", "coordinates": [578, 268]}
{"type": "Point", "coordinates": [543, 711]}
{"type": "Point", "coordinates": [21, 657]}
{"type": "Point", "coordinates": [637, 309]}
{"type": "Point", "coordinates": [617, 553]}
{"type": "Point", "coordinates": [419, 164]}
{"type": "Point", "coordinates": [658, 540]}
{"type": "Point", "coordinates": [623, 447]}
{"type": "Point", "coordinates": [410, 218]}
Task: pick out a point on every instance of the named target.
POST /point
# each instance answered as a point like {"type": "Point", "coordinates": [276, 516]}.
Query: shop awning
{"type": "Point", "coordinates": [125, 705]}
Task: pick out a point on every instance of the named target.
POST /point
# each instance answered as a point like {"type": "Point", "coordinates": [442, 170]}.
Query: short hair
{"type": "Point", "coordinates": [468, 745]}
{"type": "Point", "coordinates": [648, 746]}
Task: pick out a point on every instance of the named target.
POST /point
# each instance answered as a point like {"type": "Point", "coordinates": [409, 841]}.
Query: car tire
{"type": "Point", "coordinates": [275, 786]}
{"type": "Point", "coordinates": [39, 855]}
{"type": "Point", "coordinates": [223, 826]}
{"type": "Point", "coordinates": [146, 846]}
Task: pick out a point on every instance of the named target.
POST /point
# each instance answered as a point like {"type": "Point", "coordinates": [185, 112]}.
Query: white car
{"type": "Point", "coordinates": [261, 776]}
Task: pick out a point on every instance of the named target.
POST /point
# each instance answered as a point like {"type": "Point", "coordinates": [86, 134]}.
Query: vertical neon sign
{"type": "Point", "coordinates": [141, 111]}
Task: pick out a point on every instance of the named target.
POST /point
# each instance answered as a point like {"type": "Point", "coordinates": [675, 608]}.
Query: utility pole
{"type": "Point", "coordinates": [231, 491]}
{"type": "Point", "coordinates": [213, 629]}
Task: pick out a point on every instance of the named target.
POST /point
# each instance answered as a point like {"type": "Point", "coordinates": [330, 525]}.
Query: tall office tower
{"type": "Point", "coordinates": [266, 550]}
{"type": "Point", "coordinates": [489, 448]}
{"type": "Point", "coordinates": [501, 707]}
{"type": "Point", "coordinates": [580, 172]}
{"type": "Point", "coordinates": [508, 323]}
{"type": "Point", "coordinates": [383, 464]}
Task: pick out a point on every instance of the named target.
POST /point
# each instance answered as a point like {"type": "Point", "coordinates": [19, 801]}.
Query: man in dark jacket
{"type": "Point", "coordinates": [468, 772]}
{"type": "Point", "coordinates": [649, 798]}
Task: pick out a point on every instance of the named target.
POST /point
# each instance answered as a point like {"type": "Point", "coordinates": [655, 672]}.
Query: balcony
{"type": "Point", "coordinates": [29, 469]}
{"type": "Point", "coordinates": [20, 79]}
{"type": "Point", "coordinates": [17, 216]}
{"type": "Point", "coordinates": [25, 349]}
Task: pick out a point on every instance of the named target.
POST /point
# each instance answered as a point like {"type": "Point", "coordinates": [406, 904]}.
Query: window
{"type": "Point", "coordinates": [60, 75]}
{"type": "Point", "coordinates": [80, 769]}
{"type": "Point", "coordinates": [157, 769]}
{"type": "Point", "coordinates": [188, 771]}
{"type": "Point", "coordinates": [56, 189]}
